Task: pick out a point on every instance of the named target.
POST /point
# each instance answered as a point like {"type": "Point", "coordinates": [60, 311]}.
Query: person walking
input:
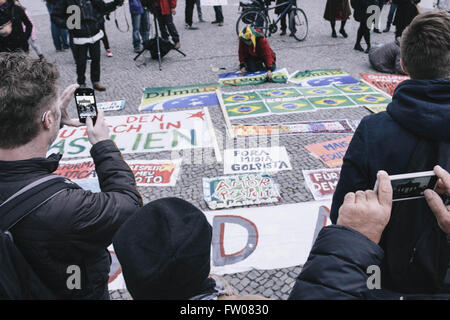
{"type": "Point", "coordinates": [406, 11]}
{"type": "Point", "coordinates": [337, 10]}
{"type": "Point", "coordinates": [361, 15]}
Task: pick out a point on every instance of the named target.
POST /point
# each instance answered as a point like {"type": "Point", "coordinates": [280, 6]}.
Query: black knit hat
{"type": "Point", "coordinates": [164, 250]}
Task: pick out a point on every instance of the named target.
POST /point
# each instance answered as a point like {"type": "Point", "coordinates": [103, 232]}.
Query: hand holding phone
{"type": "Point", "coordinates": [99, 131]}
{"type": "Point", "coordinates": [86, 104]}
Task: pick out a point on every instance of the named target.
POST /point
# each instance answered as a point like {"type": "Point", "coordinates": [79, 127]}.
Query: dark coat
{"type": "Point", "coordinates": [360, 9]}
{"type": "Point", "coordinates": [337, 10]}
{"type": "Point", "coordinates": [18, 39]}
{"type": "Point", "coordinates": [92, 14]}
{"type": "Point", "coordinates": [263, 51]}
{"type": "Point", "coordinates": [386, 141]}
{"type": "Point", "coordinates": [406, 12]}
{"type": "Point", "coordinates": [337, 268]}
{"type": "Point", "coordinates": [76, 226]}
{"type": "Point", "coordinates": [386, 58]}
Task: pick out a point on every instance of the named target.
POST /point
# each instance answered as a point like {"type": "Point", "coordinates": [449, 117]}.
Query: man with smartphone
{"type": "Point", "coordinates": [87, 35]}
{"type": "Point", "coordinates": [74, 227]}
{"type": "Point", "coordinates": [412, 136]}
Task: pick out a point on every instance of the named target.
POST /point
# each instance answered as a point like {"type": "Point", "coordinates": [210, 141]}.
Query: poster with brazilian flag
{"type": "Point", "coordinates": [252, 78]}
{"type": "Point", "coordinates": [169, 98]}
{"type": "Point", "coordinates": [370, 99]}
{"type": "Point", "coordinates": [321, 77]}
{"type": "Point", "coordinates": [240, 97]}
{"type": "Point", "coordinates": [319, 91]}
{"type": "Point", "coordinates": [243, 110]}
{"type": "Point", "coordinates": [298, 105]}
{"type": "Point", "coordinates": [279, 94]}
{"type": "Point", "coordinates": [331, 102]}
{"type": "Point", "coordinates": [360, 87]}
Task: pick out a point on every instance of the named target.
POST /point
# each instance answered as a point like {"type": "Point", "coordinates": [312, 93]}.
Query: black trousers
{"type": "Point", "coordinates": [189, 11]}
{"type": "Point", "coordinates": [166, 26]}
{"type": "Point", "coordinates": [80, 55]}
{"type": "Point", "coordinates": [254, 64]}
{"type": "Point", "coordinates": [105, 37]}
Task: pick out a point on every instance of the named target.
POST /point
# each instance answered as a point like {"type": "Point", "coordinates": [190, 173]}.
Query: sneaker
{"type": "Point", "coordinates": [99, 87]}
{"type": "Point", "coordinates": [220, 24]}
{"type": "Point", "coordinates": [376, 30]}
{"type": "Point", "coordinates": [344, 34]}
{"type": "Point", "coordinates": [190, 27]}
{"type": "Point", "coordinates": [177, 45]}
{"type": "Point", "coordinates": [109, 53]}
{"type": "Point", "coordinates": [283, 33]}
{"type": "Point", "coordinates": [215, 21]}
{"type": "Point", "coordinates": [333, 34]}
{"type": "Point", "coordinates": [367, 50]}
{"type": "Point", "coordinates": [388, 28]}
{"type": "Point", "coordinates": [358, 47]}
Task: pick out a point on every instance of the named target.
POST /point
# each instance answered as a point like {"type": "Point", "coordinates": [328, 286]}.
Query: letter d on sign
{"type": "Point", "coordinates": [220, 258]}
{"type": "Point", "coordinates": [74, 280]}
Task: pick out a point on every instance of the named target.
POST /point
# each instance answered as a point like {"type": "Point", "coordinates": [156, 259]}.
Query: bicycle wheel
{"type": "Point", "coordinates": [298, 24]}
{"type": "Point", "coordinates": [253, 18]}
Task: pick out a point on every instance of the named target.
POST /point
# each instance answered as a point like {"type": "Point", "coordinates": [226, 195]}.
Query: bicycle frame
{"type": "Point", "coordinates": [282, 14]}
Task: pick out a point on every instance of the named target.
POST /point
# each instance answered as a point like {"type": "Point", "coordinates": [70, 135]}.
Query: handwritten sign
{"type": "Point", "coordinates": [256, 160]}
{"type": "Point", "coordinates": [332, 152]}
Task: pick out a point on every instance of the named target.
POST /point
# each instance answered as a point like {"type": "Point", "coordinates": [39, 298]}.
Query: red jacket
{"type": "Point", "coordinates": [262, 50]}
{"type": "Point", "coordinates": [166, 6]}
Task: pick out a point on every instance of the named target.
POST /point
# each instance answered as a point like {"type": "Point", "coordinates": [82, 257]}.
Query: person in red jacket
{"type": "Point", "coordinates": [255, 53]}
{"type": "Point", "coordinates": [165, 9]}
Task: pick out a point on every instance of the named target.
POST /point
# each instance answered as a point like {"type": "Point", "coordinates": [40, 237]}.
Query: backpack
{"type": "Point", "coordinates": [417, 251]}
{"type": "Point", "coordinates": [17, 278]}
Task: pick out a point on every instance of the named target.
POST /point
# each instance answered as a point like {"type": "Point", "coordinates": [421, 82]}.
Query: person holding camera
{"type": "Point", "coordinates": [87, 35]}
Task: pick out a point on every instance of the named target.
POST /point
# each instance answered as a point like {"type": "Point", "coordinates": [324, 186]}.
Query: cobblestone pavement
{"type": "Point", "coordinates": [212, 46]}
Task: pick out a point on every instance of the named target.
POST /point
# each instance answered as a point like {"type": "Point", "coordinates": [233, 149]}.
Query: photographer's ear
{"type": "Point", "coordinates": [47, 119]}
{"type": "Point", "coordinates": [403, 67]}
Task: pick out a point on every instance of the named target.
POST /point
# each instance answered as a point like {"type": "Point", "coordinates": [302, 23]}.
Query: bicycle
{"type": "Point", "coordinates": [256, 14]}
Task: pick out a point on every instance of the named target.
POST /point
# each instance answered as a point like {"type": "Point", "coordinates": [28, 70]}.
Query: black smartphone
{"type": "Point", "coordinates": [86, 104]}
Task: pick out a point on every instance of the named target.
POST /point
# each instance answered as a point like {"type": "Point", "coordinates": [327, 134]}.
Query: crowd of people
{"type": "Point", "coordinates": [164, 246]}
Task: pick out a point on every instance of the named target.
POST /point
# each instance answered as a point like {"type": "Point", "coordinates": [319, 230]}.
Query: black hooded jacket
{"type": "Point", "coordinates": [18, 39]}
{"type": "Point", "coordinates": [76, 226]}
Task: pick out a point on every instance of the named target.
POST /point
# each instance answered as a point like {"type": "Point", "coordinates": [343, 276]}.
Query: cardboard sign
{"type": "Point", "coordinates": [148, 173]}
{"type": "Point", "coordinates": [111, 105]}
{"type": "Point", "coordinates": [286, 128]}
{"type": "Point", "coordinates": [322, 182]}
{"type": "Point", "coordinates": [240, 190]}
{"type": "Point", "coordinates": [321, 77]}
{"type": "Point", "coordinates": [169, 98]}
{"type": "Point", "coordinates": [252, 78]}
{"type": "Point", "coordinates": [332, 152]}
{"type": "Point", "coordinates": [153, 132]}
{"type": "Point", "coordinates": [239, 161]}
{"type": "Point", "coordinates": [385, 82]}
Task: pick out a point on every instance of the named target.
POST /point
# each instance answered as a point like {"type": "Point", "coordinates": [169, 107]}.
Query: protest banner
{"type": "Point", "coordinates": [238, 161]}
{"type": "Point", "coordinates": [169, 98]}
{"type": "Point", "coordinates": [321, 77]}
{"type": "Point", "coordinates": [152, 132]}
{"type": "Point", "coordinates": [252, 78]}
{"type": "Point", "coordinates": [240, 190]}
{"type": "Point", "coordinates": [148, 173]}
{"type": "Point", "coordinates": [244, 110]}
{"type": "Point", "coordinates": [111, 105]}
{"type": "Point", "coordinates": [322, 182]}
{"type": "Point", "coordinates": [330, 152]}
{"type": "Point", "coordinates": [262, 238]}
{"type": "Point", "coordinates": [376, 109]}
{"type": "Point", "coordinates": [286, 128]}
{"type": "Point", "coordinates": [209, 3]}
{"type": "Point", "coordinates": [384, 82]}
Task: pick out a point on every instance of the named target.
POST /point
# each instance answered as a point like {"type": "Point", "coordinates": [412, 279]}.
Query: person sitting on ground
{"type": "Point", "coordinates": [411, 136]}
{"type": "Point", "coordinates": [346, 254]}
{"type": "Point", "coordinates": [255, 53]}
{"type": "Point", "coordinates": [386, 58]}
{"type": "Point", "coordinates": [75, 226]}
{"type": "Point", "coordinates": [14, 36]}
{"type": "Point", "coordinates": [165, 254]}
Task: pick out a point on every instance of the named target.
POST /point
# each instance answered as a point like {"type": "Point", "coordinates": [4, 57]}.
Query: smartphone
{"type": "Point", "coordinates": [86, 104]}
{"type": "Point", "coordinates": [411, 185]}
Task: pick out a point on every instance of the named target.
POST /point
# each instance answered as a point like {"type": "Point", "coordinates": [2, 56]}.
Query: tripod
{"type": "Point", "coordinates": [157, 46]}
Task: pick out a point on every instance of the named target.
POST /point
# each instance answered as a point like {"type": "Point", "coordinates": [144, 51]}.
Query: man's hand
{"type": "Point", "coordinates": [440, 210]}
{"type": "Point", "coordinates": [63, 103]}
{"type": "Point", "coordinates": [243, 71]}
{"type": "Point", "coordinates": [269, 74]}
{"type": "Point", "coordinates": [174, 12]}
{"type": "Point", "coordinates": [100, 131]}
{"type": "Point", "coordinates": [366, 212]}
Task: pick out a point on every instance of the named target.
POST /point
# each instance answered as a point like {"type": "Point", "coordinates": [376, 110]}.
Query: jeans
{"type": "Point", "coordinates": [141, 28]}
{"type": "Point", "coordinates": [80, 55]}
{"type": "Point", "coordinates": [59, 35]}
{"type": "Point", "coordinates": [199, 9]}
{"type": "Point", "coordinates": [166, 26]}
{"type": "Point", "coordinates": [189, 11]}
{"type": "Point", "coordinates": [219, 14]}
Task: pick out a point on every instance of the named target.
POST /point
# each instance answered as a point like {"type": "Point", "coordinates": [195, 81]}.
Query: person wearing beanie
{"type": "Point", "coordinates": [165, 254]}
{"type": "Point", "coordinates": [13, 37]}
{"type": "Point", "coordinates": [255, 53]}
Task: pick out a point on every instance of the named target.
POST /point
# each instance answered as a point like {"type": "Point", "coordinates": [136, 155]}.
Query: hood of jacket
{"type": "Point", "coordinates": [423, 108]}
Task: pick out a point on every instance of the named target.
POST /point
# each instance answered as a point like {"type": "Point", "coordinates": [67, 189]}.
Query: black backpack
{"type": "Point", "coordinates": [18, 281]}
{"type": "Point", "coordinates": [417, 251]}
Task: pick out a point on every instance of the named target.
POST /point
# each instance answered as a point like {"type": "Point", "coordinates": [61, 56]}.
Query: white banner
{"type": "Point", "coordinates": [207, 3]}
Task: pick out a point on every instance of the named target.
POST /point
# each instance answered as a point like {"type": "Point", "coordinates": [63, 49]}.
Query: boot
{"type": "Point", "coordinates": [358, 47]}
{"type": "Point", "coordinates": [388, 28]}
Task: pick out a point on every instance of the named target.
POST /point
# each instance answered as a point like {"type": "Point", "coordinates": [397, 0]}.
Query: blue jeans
{"type": "Point", "coordinates": [59, 35]}
{"type": "Point", "coordinates": [391, 13]}
{"type": "Point", "coordinates": [141, 28]}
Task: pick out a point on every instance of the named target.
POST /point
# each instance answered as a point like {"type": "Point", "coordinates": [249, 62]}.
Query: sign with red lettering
{"type": "Point", "coordinates": [148, 173]}
{"type": "Point", "coordinates": [322, 182]}
{"type": "Point", "coordinates": [151, 132]}
{"type": "Point", "coordinates": [386, 82]}
{"type": "Point", "coordinates": [332, 152]}
{"type": "Point", "coordinates": [240, 190]}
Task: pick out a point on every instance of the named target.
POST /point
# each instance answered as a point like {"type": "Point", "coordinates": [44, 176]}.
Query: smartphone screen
{"type": "Point", "coordinates": [86, 104]}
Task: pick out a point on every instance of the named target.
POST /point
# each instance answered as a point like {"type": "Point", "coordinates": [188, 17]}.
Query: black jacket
{"type": "Point", "coordinates": [418, 114]}
{"type": "Point", "coordinates": [76, 226]}
{"type": "Point", "coordinates": [92, 13]}
{"type": "Point", "coordinates": [18, 39]}
{"type": "Point", "coordinates": [338, 268]}
{"type": "Point", "coordinates": [360, 9]}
